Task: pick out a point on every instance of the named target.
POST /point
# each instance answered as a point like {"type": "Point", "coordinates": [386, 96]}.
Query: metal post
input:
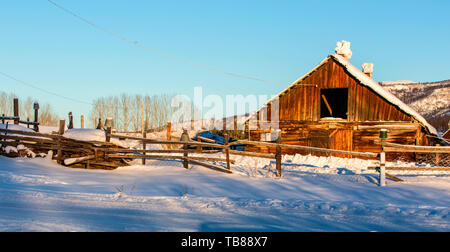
{"type": "Point", "coordinates": [36, 116]}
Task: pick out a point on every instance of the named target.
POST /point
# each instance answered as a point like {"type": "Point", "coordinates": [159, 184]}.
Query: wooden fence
{"type": "Point", "coordinates": [438, 152]}
{"type": "Point", "coordinates": [226, 149]}
{"type": "Point", "coordinates": [107, 155]}
{"type": "Point", "coordinates": [16, 118]}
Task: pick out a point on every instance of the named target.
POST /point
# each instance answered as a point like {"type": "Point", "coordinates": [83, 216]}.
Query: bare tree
{"type": "Point", "coordinates": [126, 110]}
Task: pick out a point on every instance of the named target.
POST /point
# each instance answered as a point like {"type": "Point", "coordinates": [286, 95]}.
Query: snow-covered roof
{"type": "Point", "coordinates": [371, 84]}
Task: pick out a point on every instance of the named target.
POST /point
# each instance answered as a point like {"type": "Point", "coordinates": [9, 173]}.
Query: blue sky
{"type": "Point", "coordinates": [274, 40]}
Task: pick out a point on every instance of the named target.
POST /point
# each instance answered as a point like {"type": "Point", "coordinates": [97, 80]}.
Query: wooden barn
{"type": "Point", "coordinates": [337, 106]}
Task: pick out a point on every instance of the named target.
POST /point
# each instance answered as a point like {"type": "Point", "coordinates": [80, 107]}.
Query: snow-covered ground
{"type": "Point", "coordinates": [314, 194]}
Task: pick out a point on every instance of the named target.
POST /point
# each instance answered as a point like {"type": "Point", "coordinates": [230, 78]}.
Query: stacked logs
{"type": "Point", "coordinates": [66, 151]}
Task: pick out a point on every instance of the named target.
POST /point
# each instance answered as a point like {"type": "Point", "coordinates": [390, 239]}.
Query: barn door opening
{"type": "Point", "coordinates": [334, 103]}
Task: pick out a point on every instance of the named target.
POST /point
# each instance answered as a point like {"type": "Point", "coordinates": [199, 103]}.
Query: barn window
{"type": "Point", "coordinates": [334, 103]}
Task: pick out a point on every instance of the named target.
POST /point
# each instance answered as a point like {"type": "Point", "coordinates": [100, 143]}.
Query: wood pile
{"type": "Point", "coordinates": [102, 155]}
{"type": "Point", "coordinates": [66, 151]}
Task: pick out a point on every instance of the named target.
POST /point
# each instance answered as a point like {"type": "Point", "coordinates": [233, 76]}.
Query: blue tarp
{"type": "Point", "coordinates": [220, 140]}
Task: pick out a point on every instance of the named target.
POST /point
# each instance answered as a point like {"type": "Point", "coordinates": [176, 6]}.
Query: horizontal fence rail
{"type": "Point", "coordinates": [308, 148]}
{"type": "Point", "coordinates": [72, 152]}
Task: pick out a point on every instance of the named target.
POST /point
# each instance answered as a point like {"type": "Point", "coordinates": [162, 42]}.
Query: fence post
{"type": "Point", "coordinates": [224, 124]}
{"type": "Point", "coordinates": [16, 110]}
{"type": "Point", "coordinates": [144, 146]}
{"type": "Point", "coordinates": [3, 118]}
{"type": "Point", "coordinates": [108, 134]}
{"type": "Point", "coordinates": [100, 124]}
{"type": "Point", "coordinates": [185, 138]}
{"type": "Point", "coordinates": [382, 168]}
{"type": "Point", "coordinates": [227, 151]}
{"type": "Point", "coordinates": [278, 157]}
{"type": "Point", "coordinates": [82, 121]}
{"type": "Point", "coordinates": [142, 119]}
{"type": "Point", "coordinates": [383, 136]}
{"type": "Point", "coordinates": [36, 116]}
{"type": "Point", "coordinates": [62, 125]}
{"type": "Point", "coordinates": [438, 158]}
{"type": "Point", "coordinates": [70, 121]}
{"type": "Point", "coordinates": [168, 134]}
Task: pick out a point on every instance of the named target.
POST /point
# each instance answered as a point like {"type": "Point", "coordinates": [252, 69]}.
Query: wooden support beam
{"type": "Point", "coordinates": [327, 104]}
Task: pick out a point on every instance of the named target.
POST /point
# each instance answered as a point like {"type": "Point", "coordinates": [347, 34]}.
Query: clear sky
{"type": "Point", "coordinates": [274, 40]}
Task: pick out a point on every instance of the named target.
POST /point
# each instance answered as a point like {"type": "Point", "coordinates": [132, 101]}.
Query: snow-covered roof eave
{"type": "Point", "coordinates": [377, 88]}
{"type": "Point", "coordinates": [368, 82]}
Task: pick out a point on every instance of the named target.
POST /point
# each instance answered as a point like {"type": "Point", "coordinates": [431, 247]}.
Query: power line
{"type": "Point", "coordinates": [44, 90]}
{"type": "Point", "coordinates": [152, 50]}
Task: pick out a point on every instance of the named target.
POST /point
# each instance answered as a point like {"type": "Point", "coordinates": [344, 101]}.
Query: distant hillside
{"type": "Point", "coordinates": [431, 99]}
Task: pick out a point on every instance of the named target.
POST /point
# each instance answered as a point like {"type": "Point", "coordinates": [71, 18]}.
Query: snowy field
{"type": "Point", "coordinates": [314, 194]}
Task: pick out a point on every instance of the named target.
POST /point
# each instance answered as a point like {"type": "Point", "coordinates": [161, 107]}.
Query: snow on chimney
{"type": "Point", "coordinates": [343, 49]}
{"type": "Point", "coordinates": [368, 69]}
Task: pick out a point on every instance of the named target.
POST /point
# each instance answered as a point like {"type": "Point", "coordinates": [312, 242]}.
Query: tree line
{"type": "Point", "coordinates": [126, 111]}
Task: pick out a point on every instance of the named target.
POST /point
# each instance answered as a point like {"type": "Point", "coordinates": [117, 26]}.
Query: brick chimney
{"type": "Point", "coordinates": [367, 68]}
